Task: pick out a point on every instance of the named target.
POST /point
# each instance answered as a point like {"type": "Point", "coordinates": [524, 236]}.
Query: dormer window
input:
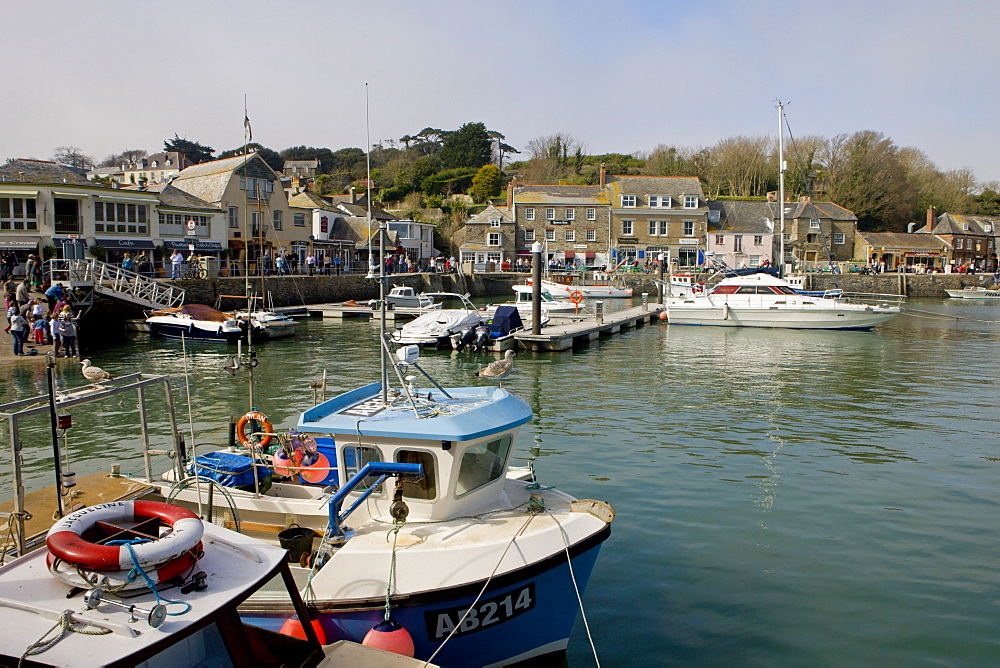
{"type": "Point", "coordinates": [965, 226]}
{"type": "Point", "coordinates": [814, 223]}
{"type": "Point", "coordinates": [988, 227]}
{"type": "Point", "coordinates": [495, 222]}
{"type": "Point", "coordinates": [659, 201]}
{"type": "Point", "coordinates": [690, 202]}
{"type": "Point", "coordinates": [628, 201]}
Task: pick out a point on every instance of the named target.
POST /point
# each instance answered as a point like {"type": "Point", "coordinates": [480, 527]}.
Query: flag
{"type": "Point", "coordinates": [246, 125]}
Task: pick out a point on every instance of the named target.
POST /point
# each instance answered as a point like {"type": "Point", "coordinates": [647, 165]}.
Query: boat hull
{"type": "Point", "coordinates": [974, 294]}
{"type": "Point", "coordinates": [790, 318]}
{"type": "Point", "coordinates": [588, 291]}
{"type": "Point", "coordinates": [521, 615]}
{"type": "Point", "coordinates": [193, 332]}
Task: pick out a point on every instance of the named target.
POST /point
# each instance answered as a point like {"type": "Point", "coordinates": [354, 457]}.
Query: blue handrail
{"type": "Point", "coordinates": [382, 469]}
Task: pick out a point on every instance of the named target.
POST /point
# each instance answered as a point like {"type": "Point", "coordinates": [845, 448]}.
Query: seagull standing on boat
{"type": "Point", "coordinates": [499, 369]}
{"type": "Point", "coordinates": [94, 374]}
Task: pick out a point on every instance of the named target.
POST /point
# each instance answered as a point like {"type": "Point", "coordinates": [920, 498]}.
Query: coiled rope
{"type": "Point", "coordinates": [64, 627]}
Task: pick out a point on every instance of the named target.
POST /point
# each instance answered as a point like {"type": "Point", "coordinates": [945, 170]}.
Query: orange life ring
{"type": "Point", "coordinates": [261, 419]}
{"type": "Point", "coordinates": [66, 542]}
{"type": "Point", "coordinates": [576, 296]}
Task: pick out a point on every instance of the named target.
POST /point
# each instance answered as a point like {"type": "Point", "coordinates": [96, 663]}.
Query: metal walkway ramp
{"type": "Point", "coordinates": [99, 278]}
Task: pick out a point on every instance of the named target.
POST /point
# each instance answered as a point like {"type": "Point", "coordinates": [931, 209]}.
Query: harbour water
{"type": "Point", "coordinates": [783, 497]}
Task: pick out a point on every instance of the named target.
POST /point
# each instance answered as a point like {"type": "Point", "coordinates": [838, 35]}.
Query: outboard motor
{"type": "Point", "coordinates": [482, 337]}
{"type": "Point", "coordinates": [466, 338]}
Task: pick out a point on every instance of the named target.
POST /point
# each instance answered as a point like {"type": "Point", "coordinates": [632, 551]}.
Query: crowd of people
{"type": "Point", "coordinates": [48, 320]}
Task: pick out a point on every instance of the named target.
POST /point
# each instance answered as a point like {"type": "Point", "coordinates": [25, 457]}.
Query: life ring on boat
{"type": "Point", "coordinates": [259, 418]}
{"type": "Point", "coordinates": [698, 288]}
{"type": "Point", "coordinates": [66, 542]}
{"type": "Point", "coordinates": [576, 296]}
{"type": "Point", "coordinates": [122, 580]}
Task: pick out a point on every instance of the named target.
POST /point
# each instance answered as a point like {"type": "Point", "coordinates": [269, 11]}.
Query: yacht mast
{"type": "Point", "coordinates": [781, 191]}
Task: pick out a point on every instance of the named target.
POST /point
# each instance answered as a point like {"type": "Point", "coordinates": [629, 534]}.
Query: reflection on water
{"type": "Point", "coordinates": [783, 496]}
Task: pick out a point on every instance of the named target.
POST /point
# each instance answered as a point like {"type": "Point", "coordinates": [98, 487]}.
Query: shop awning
{"type": "Point", "coordinates": [590, 256]}
{"type": "Point", "coordinates": [18, 244]}
{"type": "Point", "coordinates": [127, 198]}
{"type": "Point", "coordinates": [199, 245]}
{"type": "Point", "coordinates": [30, 194]}
{"type": "Point", "coordinates": [923, 254]}
{"type": "Point", "coordinates": [56, 193]}
{"type": "Point", "coordinates": [125, 244]}
{"type": "Point", "coordinates": [569, 255]}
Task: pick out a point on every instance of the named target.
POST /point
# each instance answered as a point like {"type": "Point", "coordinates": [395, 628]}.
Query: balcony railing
{"type": "Point", "coordinates": [68, 224]}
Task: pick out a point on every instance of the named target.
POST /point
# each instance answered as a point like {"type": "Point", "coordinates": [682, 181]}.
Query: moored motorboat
{"type": "Point", "coordinates": [264, 323]}
{"type": "Point", "coordinates": [764, 300]}
{"type": "Point", "coordinates": [549, 303]}
{"type": "Point", "coordinates": [975, 292]}
{"type": "Point", "coordinates": [403, 296]}
{"type": "Point", "coordinates": [435, 327]}
{"type": "Point", "coordinates": [565, 284]}
{"type": "Point", "coordinates": [198, 322]}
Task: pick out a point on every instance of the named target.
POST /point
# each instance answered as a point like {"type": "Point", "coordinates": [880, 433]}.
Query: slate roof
{"type": "Point", "coordinates": [175, 197]}
{"type": "Point", "coordinates": [307, 200]}
{"type": "Point", "coordinates": [361, 211]}
{"type": "Point", "coordinates": [489, 214]}
{"type": "Point", "coordinates": [950, 223]}
{"type": "Point", "coordinates": [822, 210]}
{"type": "Point", "coordinates": [747, 216]}
{"type": "Point", "coordinates": [24, 170]}
{"type": "Point", "coordinates": [208, 180]}
{"type": "Point", "coordinates": [558, 194]}
{"type": "Point", "coordinates": [356, 230]}
{"type": "Point", "coordinates": [300, 163]}
{"type": "Point", "coordinates": [902, 240]}
{"type": "Point", "coordinates": [656, 185]}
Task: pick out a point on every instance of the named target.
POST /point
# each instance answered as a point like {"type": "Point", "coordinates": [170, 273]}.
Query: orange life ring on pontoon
{"type": "Point", "coordinates": [259, 418]}
{"type": "Point", "coordinates": [576, 296]}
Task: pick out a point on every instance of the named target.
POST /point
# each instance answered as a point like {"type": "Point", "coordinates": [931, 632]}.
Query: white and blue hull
{"type": "Point", "coordinates": [192, 330]}
{"type": "Point", "coordinates": [521, 615]}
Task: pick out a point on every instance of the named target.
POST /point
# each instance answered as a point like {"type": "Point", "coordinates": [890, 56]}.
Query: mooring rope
{"type": "Point", "coordinates": [576, 588]}
{"type": "Point", "coordinates": [63, 625]}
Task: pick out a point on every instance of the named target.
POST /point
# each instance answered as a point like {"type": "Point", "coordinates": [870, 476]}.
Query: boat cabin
{"type": "Point", "coordinates": [462, 441]}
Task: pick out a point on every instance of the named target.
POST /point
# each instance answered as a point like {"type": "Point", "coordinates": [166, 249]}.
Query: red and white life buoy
{"type": "Point", "coordinates": [121, 580]}
{"type": "Point", "coordinates": [258, 418]}
{"type": "Point", "coordinates": [66, 542]}
{"type": "Point", "coordinates": [576, 296]}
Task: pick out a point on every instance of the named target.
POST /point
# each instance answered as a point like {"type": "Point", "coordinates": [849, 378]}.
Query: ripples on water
{"type": "Point", "coordinates": [783, 497]}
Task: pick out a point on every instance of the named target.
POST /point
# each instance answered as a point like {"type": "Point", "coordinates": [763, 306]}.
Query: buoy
{"type": "Point", "coordinates": [293, 627]}
{"type": "Point", "coordinates": [317, 469]}
{"type": "Point", "coordinates": [663, 315]}
{"type": "Point", "coordinates": [391, 637]}
{"type": "Point", "coordinates": [281, 461]}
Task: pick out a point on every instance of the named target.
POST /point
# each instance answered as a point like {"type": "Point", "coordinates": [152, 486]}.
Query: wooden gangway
{"type": "Point", "coordinates": [100, 278]}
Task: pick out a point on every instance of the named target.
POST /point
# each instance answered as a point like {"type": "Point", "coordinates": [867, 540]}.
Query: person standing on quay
{"type": "Point", "coordinates": [55, 331]}
{"type": "Point", "coordinates": [311, 263]}
{"type": "Point", "coordinates": [175, 264]}
{"type": "Point", "coordinates": [69, 334]}
{"type": "Point", "coordinates": [19, 332]}
{"type": "Point", "coordinates": [23, 293]}
{"type": "Point", "coordinates": [52, 295]}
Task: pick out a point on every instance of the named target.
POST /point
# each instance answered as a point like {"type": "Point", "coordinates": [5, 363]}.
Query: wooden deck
{"type": "Point", "coordinates": [564, 336]}
{"type": "Point", "coordinates": [90, 490]}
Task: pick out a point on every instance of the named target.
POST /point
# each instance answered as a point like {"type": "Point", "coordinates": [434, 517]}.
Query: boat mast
{"type": "Point", "coordinates": [383, 368]}
{"type": "Point", "coordinates": [781, 192]}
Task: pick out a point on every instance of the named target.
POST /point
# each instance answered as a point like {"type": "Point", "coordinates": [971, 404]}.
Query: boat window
{"type": "Point", "coordinates": [203, 647]}
{"type": "Point", "coordinates": [785, 290]}
{"type": "Point", "coordinates": [482, 464]}
{"type": "Point", "coordinates": [747, 290]}
{"type": "Point", "coordinates": [355, 457]}
{"type": "Point", "coordinates": [424, 488]}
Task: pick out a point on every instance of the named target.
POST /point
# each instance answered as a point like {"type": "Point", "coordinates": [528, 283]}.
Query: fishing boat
{"type": "Point", "coordinates": [975, 292]}
{"type": "Point", "coordinates": [198, 322]}
{"type": "Point", "coordinates": [764, 300]}
{"type": "Point", "coordinates": [436, 327]}
{"type": "Point", "coordinates": [414, 526]}
{"type": "Point", "coordinates": [495, 335]}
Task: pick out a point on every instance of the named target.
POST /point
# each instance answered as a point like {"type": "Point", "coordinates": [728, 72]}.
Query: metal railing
{"type": "Point", "coordinates": [113, 281]}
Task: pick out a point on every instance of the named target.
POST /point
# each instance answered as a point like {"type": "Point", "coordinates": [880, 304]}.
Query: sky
{"type": "Point", "coordinates": [619, 77]}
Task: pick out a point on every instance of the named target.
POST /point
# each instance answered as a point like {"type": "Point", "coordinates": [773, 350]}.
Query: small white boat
{"type": "Point", "coordinates": [496, 334]}
{"type": "Point", "coordinates": [197, 322]}
{"type": "Point", "coordinates": [763, 300]}
{"type": "Point", "coordinates": [436, 327]}
{"type": "Point", "coordinates": [265, 323]}
{"type": "Point", "coordinates": [403, 296]}
{"type": "Point", "coordinates": [549, 303]}
{"type": "Point", "coordinates": [975, 292]}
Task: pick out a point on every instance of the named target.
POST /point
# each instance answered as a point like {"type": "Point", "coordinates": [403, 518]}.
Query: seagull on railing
{"type": "Point", "coordinates": [94, 374]}
{"type": "Point", "coordinates": [499, 369]}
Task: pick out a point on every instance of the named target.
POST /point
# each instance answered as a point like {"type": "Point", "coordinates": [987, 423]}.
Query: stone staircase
{"type": "Point", "coordinates": [90, 277]}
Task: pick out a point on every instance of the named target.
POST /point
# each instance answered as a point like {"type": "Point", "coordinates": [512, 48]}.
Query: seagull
{"type": "Point", "coordinates": [499, 369]}
{"type": "Point", "coordinates": [94, 374]}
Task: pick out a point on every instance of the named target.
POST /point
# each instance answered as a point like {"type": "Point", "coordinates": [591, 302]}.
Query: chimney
{"type": "Point", "coordinates": [805, 198]}
{"type": "Point", "coordinates": [930, 218]}
{"type": "Point", "coordinates": [603, 177]}
{"type": "Point", "coordinates": [510, 195]}
{"type": "Point", "coordinates": [354, 195]}
{"type": "Point", "coordinates": [772, 196]}
{"type": "Point", "coordinates": [295, 182]}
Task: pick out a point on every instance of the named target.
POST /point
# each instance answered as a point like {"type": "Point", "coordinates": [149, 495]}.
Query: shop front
{"type": "Point", "coordinates": [115, 249]}
{"type": "Point", "coordinates": [21, 248]}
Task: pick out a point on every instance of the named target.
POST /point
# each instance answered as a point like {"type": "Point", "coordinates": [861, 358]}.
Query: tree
{"type": "Point", "coordinates": [740, 167]}
{"type": "Point", "coordinates": [866, 175]}
{"type": "Point", "coordinates": [191, 150]}
{"type": "Point", "coordinates": [128, 156]}
{"type": "Point", "coordinates": [470, 146]}
{"type": "Point", "coordinates": [501, 148]}
{"type": "Point", "coordinates": [272, 158]}
{"type": "Point", "coordinates": [486, 183]}
{"type": "Point", "coordinates": [73, 156]}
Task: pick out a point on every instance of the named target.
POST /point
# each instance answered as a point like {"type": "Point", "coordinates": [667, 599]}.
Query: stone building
{"type": "Point", "coordinates": [489, 238]}
{"type": "Point", "coordinates": [571, 222]}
